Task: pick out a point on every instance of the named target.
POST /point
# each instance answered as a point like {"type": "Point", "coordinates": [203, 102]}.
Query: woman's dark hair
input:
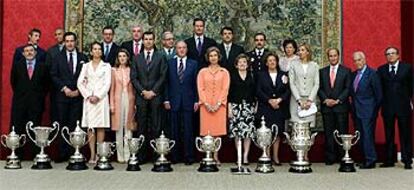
{"type": "Point", "coordinates": [290, 41]}
{"type": "Point", "coordinates": [117, 63]}
{"type": "Point", "coordinates": [91, 47]}
{"type": "Point", "coordinates": [211, 49]}
{"type": "Point", "coordinates": [270, 54]}
{"type": "Point", "coordinates": [241, 56]}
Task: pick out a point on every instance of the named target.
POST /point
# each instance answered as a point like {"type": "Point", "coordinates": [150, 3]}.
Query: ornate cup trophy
{"type": "Point", "coordinates": [13, 141]}
{"type": "Point", "coordinates": [240, 170]}
{"type": "Point", "coordinates": [209, 145]}
{"type": "Point", "coordinates": [104, 151]}
{"type": "Point", "coordinates": [42, 160]}
{"type": "Point", "coordinates": [300, 142]}
{"type": "Point", "coordinates": [347, 164]}
{"type": "Point", "coordinates": [162, 146]}
{"type": "Point", "coordinates": [77, 139]}
{"type": "Point", "coordinates": [134, 144]}
{"type": "Point", "coordinates": [264, 139]}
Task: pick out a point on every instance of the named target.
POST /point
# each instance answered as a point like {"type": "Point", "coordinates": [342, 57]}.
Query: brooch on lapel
{"type": "Point", "coordinates": [252, 59]}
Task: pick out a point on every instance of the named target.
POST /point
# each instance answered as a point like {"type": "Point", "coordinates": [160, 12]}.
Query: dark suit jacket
{"type": "Point", "coordinates": [18, 54]}
{"type": "Point", "coordinates": [193, 53]}
{"type": "Point", "coordinates": [29, 93]}
{"type": "Point", "coordinates": [51, 53]}
{"type": "Point", "coordinates": [267, 90]}
{"type": "Point", "coordinates": [257, 64]}
{"type": "Point", "coordinates": [182, 95]}
{"type": "Point", "coordinates": [61, 75]}
{"type": "Point", "coordinates": [229, 63]}
{"type": "Point", "coordinates": [367, 99]}
{"type": "Point", "coordinates": [128, 46]}
{"type": "Point", "coordinates": [340, 91]}
{"type": "Point", "coordinates": [397, 90]}
{"type": "Point", "coordinates": [151, 77]}
{"type": "Point", "coordinates": [113, 52]}
{"type": "Point", "coordinates": [167, 57]}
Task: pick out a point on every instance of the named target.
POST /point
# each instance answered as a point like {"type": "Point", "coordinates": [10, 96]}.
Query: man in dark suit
{"type": "Point", "coordinates": [181, 99]}
{"type": "Point", "coordinates": [397, 84]}
{"type": "Point", "coordinates": [366, 96]}
{"type": "Point", "coordinates": [134, 46]}
{"type": "Point", "coordinates": [51, 54]}
{"type": "Point", "coordinates": [228, 49]}
{"type": "Point", "coordinates": [168, 42]}
{"type": "Point", "coordinates": [29, 81]}
{"type": "Point", "coordinates": [32, 38]}
{"type": "Point", "coordinates": [334, 85]}
{"type": "Point", "coordinates": [65, 72]}
{"type": "Point", "coordinates": [148, 75]}
{"type": "Point", "coordinates": [256, 55]}
{"type": "Point", "coordinates": [110, 48]}
{"type": "Point", "coordinates": [199, 43]}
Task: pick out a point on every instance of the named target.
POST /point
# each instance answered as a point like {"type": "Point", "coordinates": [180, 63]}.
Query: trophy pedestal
{"type": "Point", "coordinates": [208, 167]}
{"type": "Point", "coordinates": [347, 167]}
{"type": "Point", "coordinates": [162, 167]}
{"type": "Point", "coordinates": [77, 166]}
{"type": "Point", "coordinates": [264, 166]}
{"type": "Point", "coordinates": [300, 167]}
{"type": "Point", "coordinates": [42, 165]}
{"type": "Point", "coordinates": [240, 171]}
{"type": "Point", "coordinates": [103, 166]}
{"type": "Point", "coordinates": [133, 165]}
{"type": "Point", "coordinates": [13, 163]}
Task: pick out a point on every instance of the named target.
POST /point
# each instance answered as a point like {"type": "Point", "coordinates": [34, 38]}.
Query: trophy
{"type": "Point", "coordinates": [209, 145]}
{"type": "Point", "coordinates": [13, 141]}
{"type": "Point", "coordinates": [264, 139]}
{"type": "Point", "coordinates": [162, 146]}
{"type": "Point", "coordinates": [240, 170]}
{"type": "Point", "coordinates": [104, 150]}
{"type": "Point", "coordinates": [42, 160]}
{"type": "Point", "coordinates": [77, 139]}
{"type": "Point", "coordinates": [300, 142]}
{"type": "Point", "coordinates": [134, 144]}
{"type": "Point", "coordinates": [347, 164]}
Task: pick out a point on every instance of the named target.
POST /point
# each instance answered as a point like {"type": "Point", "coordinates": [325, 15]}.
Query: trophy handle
{"type": "Point", "coordinates": [217, 142]}
{"type": "Point", "coordinates": [90, 137]}
{"type": "Point", "coordinates": [336, 136]}
{"type": "Point", "coordinates": [22, 139]}
{"type": "Point", "coordinates": [152, 143]}
{"type": "Point", "coordinates": [287, 137]}
{"type": "Point", "coordinates": [198, 139]}
{"type": "Point", "coordinates": [63, 134]}
{"type": "Point", "coordinates": [276, 131]}
{"type": "Point", "coordinates": [357, 135]}
{"type": "Point", "coordinates": [171, 143]}
{"type": "Point", "coordinates": [29, 125]}
{"type": "Point", "coordinates": [113, 148]}
{"type": "Point", "coordinates": [313, 137]}
{"type": "Point", "coordinates": [3, 137]}
{"type": "Point", "coordinates": [55, 126]}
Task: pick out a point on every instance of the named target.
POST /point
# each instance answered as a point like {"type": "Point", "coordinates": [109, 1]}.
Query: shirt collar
{"type": "Point", "coordinates": [201, 37]}
{"type": "Point", "coordinates": [33, 61]}
{"type": "Point", "coordinates": [395, 64]}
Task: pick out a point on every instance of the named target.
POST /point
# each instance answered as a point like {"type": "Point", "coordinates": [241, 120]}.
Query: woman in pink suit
{"type": "Point", "coordinates": [213, 84]}
{"type": "Point", "coordinates": [122, 102]}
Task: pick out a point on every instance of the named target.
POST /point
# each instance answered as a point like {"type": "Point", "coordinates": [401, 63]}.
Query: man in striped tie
{"type": "Point", "coordinates": [181, 99]}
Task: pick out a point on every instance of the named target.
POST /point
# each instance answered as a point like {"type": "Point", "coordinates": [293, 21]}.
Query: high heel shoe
{"type": "Point", "coordinates": [276, 163]}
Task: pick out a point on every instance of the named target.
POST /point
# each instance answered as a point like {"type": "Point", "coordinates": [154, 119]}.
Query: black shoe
{"type": "Point", "coordinates": [408, 166]}
{"type": "Point", "coordinates": [367, 166]}
{"type": "Point", "coordinates": [329, 163]}
{"type": "Point", "coordinates": [188, 163]}
{"type": "Point", "coordinates": [387, 165]}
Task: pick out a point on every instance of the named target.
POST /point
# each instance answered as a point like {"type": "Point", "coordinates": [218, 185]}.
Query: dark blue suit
{"type": "Point", "coordinates": [365, 104]}
{"type": "Point", "coordinates": [182, 96]}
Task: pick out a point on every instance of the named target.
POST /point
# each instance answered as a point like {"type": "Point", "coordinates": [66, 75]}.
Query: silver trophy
{"type": "Point", "coordinates": [13, 141]}
{"type": "Point", "coordinates": [104, 150]}
{"type": "Point", "coordinates": [134, 144]}
{"type": "Point", "coordinates": [77, 139]}
{"type": "Point", "coordinates": [347, 164]}
{"type": "Point", "coordinates": [42, 160]}
{"type": "Point", "coordinates": [209, 145]}
{"type": "Point", "coordinates": [263, 139]}
{"type": "Point", "coordinates": [300, 142]}
{"type": "Point", "coordinates": [162, 146]}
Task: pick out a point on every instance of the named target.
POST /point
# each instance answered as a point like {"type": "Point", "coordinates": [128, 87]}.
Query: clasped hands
{"type": "Point", "coordinates": [70, 93]}
{"type": "Point", "coordinates": [305, 104]}
{"type": "Point", "coordinates": [331, 102]}
{"type": "Point", "coordinates": [274, 102]}
{"type": "Point", "coordinates": [148, 94]}
{"type": "Point", "coordinates": [212, 108]}
{"type": "Point", "coordinates": [93, 99]}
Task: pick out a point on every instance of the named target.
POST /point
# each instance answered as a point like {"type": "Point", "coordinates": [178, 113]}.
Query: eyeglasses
{"type": "Point", "coordinates": [391, 53]}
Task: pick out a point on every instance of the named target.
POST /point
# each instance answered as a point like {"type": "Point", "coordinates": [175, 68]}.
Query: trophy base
{"type": "Point", "coordinates": [162, 167]}
{"type": "Point", "coordinates": [13, 164]}
{"type": "Point", "coordinates": [133, 167]}
{"type": "Point", "coordinates": [302, 169]}
{"type": "Point", "coordinates": [41, 166]}
{"type": "Point", "coordinates": [347, 167]}
{"type": "Point", "coordinates": [240, 171]}
{"type": "Point", "coordinates": [103, 166]}
{"type": "Point", "coordinates": [77, 166]}
{"type": "Point", "coordinates": [204, 167]}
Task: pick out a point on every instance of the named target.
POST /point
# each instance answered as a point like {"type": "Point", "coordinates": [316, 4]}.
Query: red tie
{"type": "Point", "coordinates": [30, 69]}
{"type": "Point", "coordinates": [332, 76]}
{"type": "Point", "coordinates": [136, 49]}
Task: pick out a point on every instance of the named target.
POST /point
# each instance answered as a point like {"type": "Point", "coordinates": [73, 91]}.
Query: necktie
{"type": "Point", "coordinates": [392, 70]}
{"type": "Point", "coordinates": [357, 79]}
{"type": "Point", "coordinates": [106, 52]}
{"type": "Point", "coordinates": [136, 49]}
{"type": "Point", "coordinates": [199, 45]}
{"type": "Point", "coordinates": [148, 59]}
{"type": "Point", "coordinates": [169, 52]}
{"type": "Point", "coordinates": [30, 69]}
{"type": "Point", "coordinates": [227, 51]}
{"type": "Point", "coordinates": [332, 77]}
{"type": "Point", "coordinates": [259, 54]}
{"type": "Point", "coordinates": [70, 62]}
{"type": "Point", "coordinates": [181, 71]}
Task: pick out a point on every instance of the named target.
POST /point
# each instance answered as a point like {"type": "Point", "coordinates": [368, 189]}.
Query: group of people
{"type": "Point", "coordinates": [198, 87]}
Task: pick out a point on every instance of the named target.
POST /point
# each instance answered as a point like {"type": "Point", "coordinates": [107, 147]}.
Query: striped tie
{"type": "Point", "coordinates": [181, 71]}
